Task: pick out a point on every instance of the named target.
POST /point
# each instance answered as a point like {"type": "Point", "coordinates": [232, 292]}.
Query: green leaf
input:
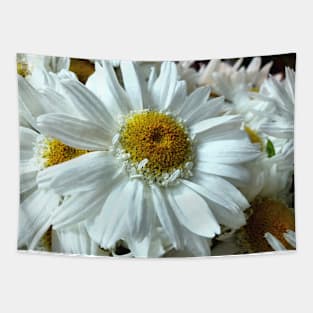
{"type": "Point", "coordinates": [270, 149]}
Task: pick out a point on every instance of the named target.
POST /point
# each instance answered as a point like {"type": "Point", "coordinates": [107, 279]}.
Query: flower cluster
{"type": "Point", "coordinates": [155, 159]}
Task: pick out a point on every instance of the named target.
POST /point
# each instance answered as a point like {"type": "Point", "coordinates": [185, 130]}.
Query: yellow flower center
{"type": "Point", "coordinates": [22, 69]}
{"type": "Point", "coordinates": [268, 216]}
{"type": "Point", "coordinates": [157, 138]}
{"type": "Point", "coordinates": [254, 137]}
{"type": "Point", "coordinates": [56, 152]}
{"type": "Point", "coordinates": [254, 89]}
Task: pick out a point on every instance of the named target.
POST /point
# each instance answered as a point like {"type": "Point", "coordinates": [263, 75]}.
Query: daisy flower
{"type": "Point", "coordinates": [158, 158]}
{"type": "Point", "coordinates": [37, 152]}
{"type": "Point", "coordinates": [270, 226]}
{"type": "Point", "coordinates": [225, 79]}
{"type": "Point", "coordinates": [268, 119]}
{"type": "Point", "coordinates": [281, 94]}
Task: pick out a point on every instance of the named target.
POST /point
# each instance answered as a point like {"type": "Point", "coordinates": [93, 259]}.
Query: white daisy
{"type": "Point", "coordinates": [281, 94]}
{"type": "Point", "coordinates": [159, 159]}
{"type": "Point", "coordinates": [269, 119]}
{"type": "Point", "coordinates": [37, 151]}
{"type": "Point", "coordinates": [270, 226]}
{"type": "Point", "coordinates": [228, 80]}
{"type": "Point", "coordinates": [272, 172]}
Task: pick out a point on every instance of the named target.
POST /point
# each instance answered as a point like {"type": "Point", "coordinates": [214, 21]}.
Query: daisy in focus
{"type": "Point", "coordinates": [157, 158]}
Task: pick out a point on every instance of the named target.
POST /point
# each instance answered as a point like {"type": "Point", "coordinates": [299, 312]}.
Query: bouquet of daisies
{"type": "Point", "coordinates": [155, 159]}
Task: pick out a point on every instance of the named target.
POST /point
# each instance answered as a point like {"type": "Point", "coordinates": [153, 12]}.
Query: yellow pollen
{"type": "Point", "coordinates": [158, 138]}
{"type": "Point", "coordinates": [268, 216]}
{"type": "Point", "coordinates": [22, 69]}
{"type": "Point", "coordinates": [56, 152]}
{"type": "Point", "coordinates": [254, 89]}
{"type": "Point", "coordinates": [254, 137]}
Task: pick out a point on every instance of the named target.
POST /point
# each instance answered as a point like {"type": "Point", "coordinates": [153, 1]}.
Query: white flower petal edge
{"type": "Point", "coordinates": [35, 217]}
{"type": "Point", "coordinates": [74, 132]}
{"type": "Point", "coordinates": [290, 236]}
{"type": "Point", "coordinates": [105, 85]}
{"type": "Point", "coordinates": [193, 212]}
{"type": "Point", "coordinates": [274, 242]}
{"type": "Point", "coordinates": [75, 240]}
{"type": "Point", "coordinates": [80, 174]}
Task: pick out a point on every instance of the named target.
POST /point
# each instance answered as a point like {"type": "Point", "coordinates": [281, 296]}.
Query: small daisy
{"type": "Point", "coordinates": [37, 152]}
{"type": "Point", "coordinates": [158, 157]}
{"type": "Point", "coordinates": [270, 226]}
{"type": "Point", "coordinates": [229, 80]}
{"type": "Point", "coordinates": [281, 94]}
{"type": "Point", "coordinates": [272, 172]}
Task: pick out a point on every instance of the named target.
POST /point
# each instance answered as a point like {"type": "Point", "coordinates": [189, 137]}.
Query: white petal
{"type": "Point", "coordinates": [179, 98]}
{"type": "Point", "coordinates": [279, 128]}
{"type": "Point", "coordinates": [210, 125]}
{"type": "Point", "coordinates": [290, 82]}
{"type": "Point", "coordinates": [235, 172]}
{"type": "Point", "coordinates": [41, 79]}
{"type": "Point", "coordinates": [228, 151]}
{"type": "Point", "coordinates": [263, 74]}
{"type": "Point", "coordinates": [74, 132]}
{"type": "Point", "coordinates": [32, 99]}
{"type": "Point", "coordinates": [138, 214]}
{"type": "Point", "coordinates": [228, 195]}
{"type": "Point", "coordinates": [254, 65]}
{"type": "Point", "coordinates": [79, 207]}
{"type": "Point", "coordinates": [196, 245]}
{"type": "Point", "coordinates": [28, 139]}
{"type": "Point", "coordinates": [75, 240]}
{"type": "Point", "coordinates": [28, 181]}
{"type": "Point", "coordinates": [192, 211]}
{"type": "Point", "coordinates": [274, 242]}
{"type": "Point", "coordinates": [166, 215]}
{"type": "Point", "coordinates": [290, 237]}
{"type": "Point", "coordinates": [230, 218]}
{"type": "Point", "coordinates": [163, 90]}
{"type": "Point", "coordinates": [104, 84]}
{"type": "Point", "coordinates": [90, 107]}
{"type": "Point", "coordinates": [135, 85]}
{"type": "Point", "coordinates": [194, 101]}
{"type": "Point", "coordinates": [35, 216]}
{"type": "Point", "coordinates": [110, 224]}
{"type": "Point", "coordinates": [59, 63]}
{"type": "Point", "coordinates": [80, 174]}
{"type": "Point", "coordinates": [152, 78]}
{"type": "Point", "coordinates": [208, 109]}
